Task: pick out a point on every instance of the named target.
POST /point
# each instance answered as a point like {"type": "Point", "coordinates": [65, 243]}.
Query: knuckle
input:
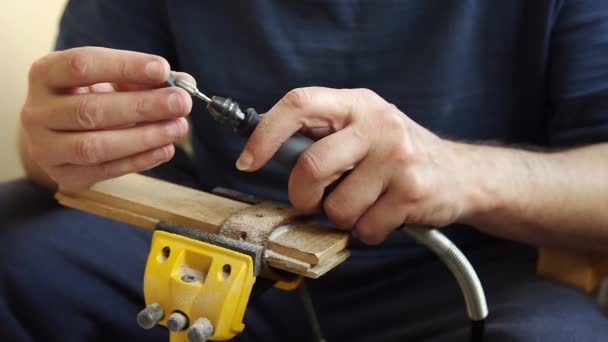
{"type": "Point", "coordinates": [369, 235]}
{"type": "Point", "coordinates": [29, 116]}
{"type": "Point", "coordinates": [37, 152]}
{"type": "Point", "coordinates": [123, 70]}
{"type": "Point", "coordinates": [88, 113]}
{"type": "Point", "coordinates": [360, 136]}
{"type": "Point", "coordinates": [301, 196]}
{"type": "Point", "coordinates": [79, 61]}
{"type": "Point", "coordinates": [150, 136]}
{"type": "Point", "coordinates": [297, 98]}
{"type": "Point", "coordinates": [61, 178]}
{"type": "Point", "coordinates": [87, 150]}
{"type": "Point", "coordinates": [335, 210]}
{"type": "Point", "coordinates": [402, 152]}
{"type": "Point", "coordinates": [379, 103]}
{"type": "Point", "coordinates": [393, 120]}
{"type": "Point", "coordinates": [417, 189]}
{"type": "Point", "coordinates": [39, 68]}
{"type": "Point", "coordinates": [141, 105]}
{"type": "Point", "coordinates": [163, 154]}
{"type": "Point", "coordinates": [310, 165]}
{"type": "Point", "coordinates": [105, 171]}
{"type": "Point", "coordinates": [369, 97]}
{"type": "Point", "coordinates": [368, 94]}
{"type": "Point", "coordinates": [79, 184]}
{"type": "Point", "coordinates": [175, 130]}
{"type": "Point", "coordinates": [168, 152]}
{"type": "Point", "coordinates": [69, 179]}
{"type": "Point", "coordinates": [393, 116]}
{"type": "Point", "coordinates": [54, 174]}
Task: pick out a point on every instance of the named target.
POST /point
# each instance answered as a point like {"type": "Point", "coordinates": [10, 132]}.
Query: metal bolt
{"type": "Point", "coordinates": [189, 278]}
{"type": "Point", "coordinates": [200, 331]}
{"type": "Point", "coordinates": [149, 317]}
{"type": "Point", "coordinates": [177, 322]}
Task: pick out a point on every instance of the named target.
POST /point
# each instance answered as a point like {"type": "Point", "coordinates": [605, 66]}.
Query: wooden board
{"type": "Point", "coordinates": [302, 268]}
{"type": "Point", "coordinates": [310, 243]}
{"type": "Point", "coordinates": [143, 201]}
{"type": "Point", "coordinates": [107, 211]}
{"type": "Point", "coordinates": [162, 200]}
{"type": "Point", "coordinates": [584, 271]}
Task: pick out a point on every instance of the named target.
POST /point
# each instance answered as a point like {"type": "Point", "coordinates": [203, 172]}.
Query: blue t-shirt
{"type": "Point", "coordinates": [516, 72]}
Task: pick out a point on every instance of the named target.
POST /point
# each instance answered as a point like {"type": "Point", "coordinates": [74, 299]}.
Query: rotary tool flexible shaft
{"type": "Point", "coordinates": [228, 112]}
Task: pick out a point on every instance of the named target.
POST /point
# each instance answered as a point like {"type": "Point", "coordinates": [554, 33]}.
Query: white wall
{"type": "Point", "coordinates": [27, 31]}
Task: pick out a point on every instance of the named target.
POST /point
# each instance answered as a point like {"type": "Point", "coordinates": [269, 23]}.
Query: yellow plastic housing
{"type": "Point", "coordinates": [200, 280]}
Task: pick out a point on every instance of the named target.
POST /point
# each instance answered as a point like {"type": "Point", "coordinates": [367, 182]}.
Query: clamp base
{"type": "Point", "coordinates": [200, 283]}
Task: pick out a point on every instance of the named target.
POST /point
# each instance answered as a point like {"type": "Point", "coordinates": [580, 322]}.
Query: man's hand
{"type": "Point", "coordinates": [93, 113]}
{"type": "Point", "coordinates": [401, 172]}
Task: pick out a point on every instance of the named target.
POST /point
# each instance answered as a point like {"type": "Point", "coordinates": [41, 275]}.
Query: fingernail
{"type": "Point", "coordinates": [244, 162]}
{"type": "Point", "coordinates": [175, 129]}
{"type": "Point", "coordinates": [175, 104]}
{"type": "Point", "coordinates": [153, 70]}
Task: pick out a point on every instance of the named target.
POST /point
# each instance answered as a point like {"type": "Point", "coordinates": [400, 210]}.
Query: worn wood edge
{"type": "Point", "coordinates": [286, 263]}
{"type": "Point", "coordinates": [106, 211]}
{"type": "Point", "coordinates": [177, 201]}
{"type": "Point", "coordinates": [328, 265]}
{"type": "Point", "coordinates": [322, 245]}
{"type": "Point", "coordinates": [304, 269]}
{"type": "Point", "coordinates": [578, 270]}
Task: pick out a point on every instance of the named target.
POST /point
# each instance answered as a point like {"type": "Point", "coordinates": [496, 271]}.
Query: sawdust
{"type": "Point", "coordinates": [254, 224]}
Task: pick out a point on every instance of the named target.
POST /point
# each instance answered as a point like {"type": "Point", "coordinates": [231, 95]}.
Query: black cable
{"type": "Point", "coordinates": [311, 313]}
{"type": "Point", "coordinates": [477, 330]}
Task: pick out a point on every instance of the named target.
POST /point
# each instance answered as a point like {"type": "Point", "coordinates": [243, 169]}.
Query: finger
{"type": "Point", "coordinates": [91, 148]}
{"type": "Point", "coordinates": [316, 133]}
{"type": "Point", "coordinates": [94, 111]}
{"type": "Point", "coordinates": [384, 216]}
{"type": "Point", "coordinates": [79, 177]}
{"type": "Point", "coordinates": [321, 164]}
{"type": "Point", "coordinates": [101, 88]}
{"type": "Point", "coordinates": [304, 107]}
{"type": "Point", "coordinates": [91, 65]}
{"type": "Point", "coordinates": [138, 87]}
{"type": "Point", "coordinates": [355, 194]}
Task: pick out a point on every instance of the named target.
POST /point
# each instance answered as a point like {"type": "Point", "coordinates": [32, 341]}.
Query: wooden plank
{"type": "Point", "coordinates": [578, 270]}
{"type": "Point", "coordinates": [286, 263]}
{"type": "Point", "coordinates": [298, 267]}
{"type": "Point", "coordinates": [163, 201]}
{"type": "Point", "coordinates": [328, 265]}
{"type": "Point", "coordinates": [308, 241]}
{"type": "Point", "coordinates": [107, 211]}
{"type": "Point", "coordinates": [307, 248]}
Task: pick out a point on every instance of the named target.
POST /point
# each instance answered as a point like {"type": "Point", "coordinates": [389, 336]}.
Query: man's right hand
{"type": "Point", "coordinates": [94, 113]}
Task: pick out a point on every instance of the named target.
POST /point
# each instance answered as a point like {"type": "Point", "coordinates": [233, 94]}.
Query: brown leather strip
{"type": "Point", "coordinates": [254, 224]}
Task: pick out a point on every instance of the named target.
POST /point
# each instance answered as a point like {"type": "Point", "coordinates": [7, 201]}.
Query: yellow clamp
{"type": "Point", "coordinates": [192, 281]}
{"type": "Point", "coordinates": [198, 284]}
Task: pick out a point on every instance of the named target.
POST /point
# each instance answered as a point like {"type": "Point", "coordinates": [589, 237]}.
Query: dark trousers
{"type": "Point", "coordinates": [70, 276]}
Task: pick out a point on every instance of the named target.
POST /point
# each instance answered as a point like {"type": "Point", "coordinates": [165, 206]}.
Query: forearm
{"type": "Point", "coordinates": [547, 199]}
{"type": "Point", "coordinates": [32, 170]}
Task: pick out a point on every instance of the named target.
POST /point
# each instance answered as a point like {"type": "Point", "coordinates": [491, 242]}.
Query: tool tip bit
{"type": "Point", "coordinates": [188, 87]}
{"type": "Point", "coordinates": [202, 96]}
